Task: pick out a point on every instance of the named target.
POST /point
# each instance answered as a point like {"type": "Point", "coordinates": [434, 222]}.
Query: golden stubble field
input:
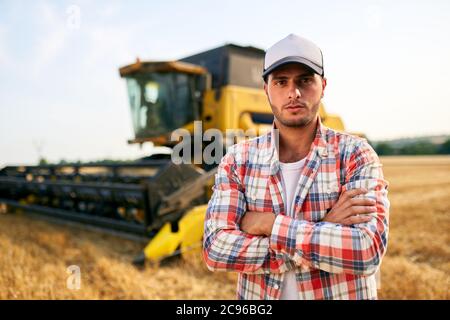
{"type": "Point", "coordinates": [35, 253]}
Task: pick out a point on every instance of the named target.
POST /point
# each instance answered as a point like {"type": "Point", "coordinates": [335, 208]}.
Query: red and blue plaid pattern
{"type": "Point", "coordinates": [332, 261]}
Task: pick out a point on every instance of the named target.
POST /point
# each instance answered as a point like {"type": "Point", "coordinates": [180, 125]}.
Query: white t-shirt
{"type": "Point", "coordinates": [291, 175]}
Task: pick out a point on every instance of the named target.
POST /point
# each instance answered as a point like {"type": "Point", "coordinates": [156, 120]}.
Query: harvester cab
{"type": "Point", "coordinates": [163, 97]}
{"type": "Point", "coordinates": [156, 199]}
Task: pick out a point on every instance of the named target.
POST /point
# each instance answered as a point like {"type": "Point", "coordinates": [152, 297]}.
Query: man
{"type": "Point", "coordinates": [305, 218]}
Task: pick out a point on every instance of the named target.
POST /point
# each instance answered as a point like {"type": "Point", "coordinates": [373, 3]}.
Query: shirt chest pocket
{"type": "Point", "coordinates": [322, 196]}
{"type": "Point", "coordinates": [257, 195]}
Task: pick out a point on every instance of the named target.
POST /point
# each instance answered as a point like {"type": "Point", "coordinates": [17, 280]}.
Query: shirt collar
{"type": "Point", "coordinates": [319, 145]}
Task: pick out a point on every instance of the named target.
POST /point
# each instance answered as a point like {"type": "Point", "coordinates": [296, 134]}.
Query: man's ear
{"type": "Point", "coordinates": [324, 84]}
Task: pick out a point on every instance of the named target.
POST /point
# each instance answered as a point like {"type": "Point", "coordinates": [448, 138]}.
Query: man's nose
{"type": "Point", "coordinates": [294, 92]}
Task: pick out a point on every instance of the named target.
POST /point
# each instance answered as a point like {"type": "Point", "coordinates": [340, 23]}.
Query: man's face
{"type": "Point", "coordinates": [294, 93]}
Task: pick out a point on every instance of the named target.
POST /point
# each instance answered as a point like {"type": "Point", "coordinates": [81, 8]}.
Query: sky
{"type": "Point", "coordinates": [61, 96]}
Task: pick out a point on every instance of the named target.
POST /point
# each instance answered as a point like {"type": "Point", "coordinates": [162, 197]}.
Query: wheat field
{"type": "Point", "coordinates": [35, 254]}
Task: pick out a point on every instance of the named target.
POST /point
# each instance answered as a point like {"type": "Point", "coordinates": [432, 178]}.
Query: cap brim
{"type": "Point", "coordinates": [287, 60]}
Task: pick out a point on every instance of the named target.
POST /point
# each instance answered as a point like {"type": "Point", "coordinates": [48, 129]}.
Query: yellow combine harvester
{"type": "Point", "coordinates": [153, 198]}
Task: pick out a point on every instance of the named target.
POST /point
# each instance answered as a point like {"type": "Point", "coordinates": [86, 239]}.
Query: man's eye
{"type": "Point", "coordinates": [306, 80]}
{"type": "Point", "coordinates": [280, 82]}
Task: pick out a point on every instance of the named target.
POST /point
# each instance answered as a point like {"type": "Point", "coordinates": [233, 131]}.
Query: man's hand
{"type": "Point", "coordinates": [349, 210]}
{"type": "Point", "coordinates": [258, 223]}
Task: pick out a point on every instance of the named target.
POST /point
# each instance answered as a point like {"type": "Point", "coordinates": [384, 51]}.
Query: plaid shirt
{"type": "Point", "coordinates": [331, 261]}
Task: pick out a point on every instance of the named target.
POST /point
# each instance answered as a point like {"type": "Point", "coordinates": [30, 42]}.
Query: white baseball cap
{"type": "Point", "coordinates": [293, 48]}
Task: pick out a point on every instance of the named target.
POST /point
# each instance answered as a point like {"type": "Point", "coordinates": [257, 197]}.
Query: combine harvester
{"type": "Point", "coordinates": [153, 198]}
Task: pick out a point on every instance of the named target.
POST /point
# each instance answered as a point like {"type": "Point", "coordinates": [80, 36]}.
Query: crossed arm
{"type": "Point", "coordinates": [348, 210]}
{"type": "Point", "coordinates": [352, 238]}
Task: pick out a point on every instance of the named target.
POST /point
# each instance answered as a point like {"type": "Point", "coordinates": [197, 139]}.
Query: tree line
{"type": "Point", "coordinates": [412, 148]}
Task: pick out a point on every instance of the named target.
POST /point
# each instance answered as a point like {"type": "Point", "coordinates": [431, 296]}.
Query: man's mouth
{"type": "Point", "coordinates": [295, 107]}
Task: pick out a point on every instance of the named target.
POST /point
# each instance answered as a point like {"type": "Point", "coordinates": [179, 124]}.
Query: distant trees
{"type": "Point", "coordinates": [42, 161]}
{"type": "Point", "coordinates": [444, 148]}
{"type": "Point", "coordinates": [419, 147]}
{"type": "Point", "coordinates": [384, 149]}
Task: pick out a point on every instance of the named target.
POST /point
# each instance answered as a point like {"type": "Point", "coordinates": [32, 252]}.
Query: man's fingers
{"type": "Point", "coordinates": [348, 206]}
{"type": "Point", "coordinates": [362, 202]}
{"type": "Point", "coordinates": [356, 220]}
{"type": "Point", "coordinates": [355, 210]}
{"type": "Point", "coordinates": [354, 192]}
{"type": "Point", "coordinates": [344, 198]}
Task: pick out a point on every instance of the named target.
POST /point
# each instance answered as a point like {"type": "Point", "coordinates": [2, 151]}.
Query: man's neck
{"type": "Point", "coordinates": [295, 142]}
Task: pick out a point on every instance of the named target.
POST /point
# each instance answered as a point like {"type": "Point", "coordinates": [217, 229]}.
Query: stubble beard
{"type": "Point", "coordinates": [296, 123]}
